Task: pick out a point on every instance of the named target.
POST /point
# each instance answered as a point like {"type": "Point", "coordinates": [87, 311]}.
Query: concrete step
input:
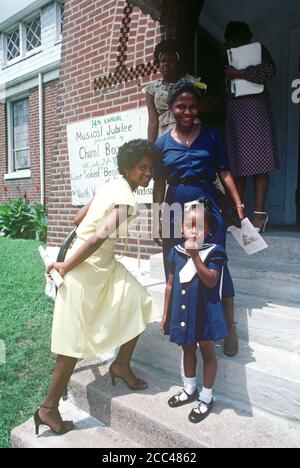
{"type": "Point", "coordinates": [244, 267]}
{"type": "Point", "coordinates": [269, 324]}
{"type": "Point", "coordinates": [271, 280]}
{"type": "Point", "coordinates": [260, 376]}
{"type": "Point", "coordinates": [283, 247]}
{"type": "Point", "coordinates": [89, 433]}
{"type": "Point", "coordinates": [148, 420]}
{"type": "Point", "coordinates": [277, 290]}
{"type": "Point", "coordinates": [260, 320]}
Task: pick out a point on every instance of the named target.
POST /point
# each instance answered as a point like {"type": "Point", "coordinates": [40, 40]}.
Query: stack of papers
{"type": "Point", "coordinates": [241, 58]}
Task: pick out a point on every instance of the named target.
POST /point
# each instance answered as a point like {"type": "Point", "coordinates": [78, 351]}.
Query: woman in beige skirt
{"type": "Point", "coordinates": [101, 306]}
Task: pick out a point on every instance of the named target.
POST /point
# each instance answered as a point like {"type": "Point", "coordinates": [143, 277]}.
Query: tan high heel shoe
{"type": "Point", "coordinates": [139, 384]}
{"type": "Point", "coordinates": [66, 426]}
{"type": "Point", "coordinates": [262, 228]}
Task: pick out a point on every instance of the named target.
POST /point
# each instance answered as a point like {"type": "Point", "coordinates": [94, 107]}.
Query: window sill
{"type": "Point", "coordinates": [13, 62]}
{"type": "Point", "coordinates": [25, 174]}
{"type": "Point", "coordinates": [58, 41]}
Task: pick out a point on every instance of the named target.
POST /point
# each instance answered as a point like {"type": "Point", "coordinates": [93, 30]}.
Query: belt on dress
{"type": "Point", "coordinates": [190, 181]}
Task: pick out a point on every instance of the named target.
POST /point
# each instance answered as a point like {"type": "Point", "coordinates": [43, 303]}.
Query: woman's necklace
{"type": "Point", "coordinates": [187, 140]}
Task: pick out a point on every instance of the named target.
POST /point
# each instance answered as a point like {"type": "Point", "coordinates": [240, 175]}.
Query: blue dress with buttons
{"type": "Point", "coordinates": [195, 311]}
{"type": "Point", "coordinates": [200, 162]}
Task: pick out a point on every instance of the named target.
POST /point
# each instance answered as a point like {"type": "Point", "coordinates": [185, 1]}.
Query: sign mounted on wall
{"type": "Point", "coordinates": [93, 147]}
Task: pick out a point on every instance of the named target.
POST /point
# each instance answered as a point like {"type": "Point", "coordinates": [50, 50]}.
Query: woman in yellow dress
{"type": "Point", "coordinates": [101, 306]}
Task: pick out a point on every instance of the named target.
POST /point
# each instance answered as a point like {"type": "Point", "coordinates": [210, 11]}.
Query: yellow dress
{"type": "Point", "coordinates": [101, 305]}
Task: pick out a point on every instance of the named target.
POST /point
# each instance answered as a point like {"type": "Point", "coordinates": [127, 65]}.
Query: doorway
{"type": "Point", "coordinates": [298, 187]}
{"type": "Point", "coordinates": [292, 208]}
{"type": "Point", "coordinates": [209, 65]}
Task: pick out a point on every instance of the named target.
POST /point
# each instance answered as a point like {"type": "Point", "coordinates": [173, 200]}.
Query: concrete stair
{"type": "Point", "coordinates": [149, 421]}
{"type": "Point", "coordinates": [257, 377]}
{"type": "Point", "coordinates": [259, 320]}
{"type": "Point", "coordinates": [283, 247]}
{"type": "Point", "coordinates": [257, 393]}
{"type": "Point", "coordinates": [89, 433]}
{"type": "Point", "coordinates": [268, 314]}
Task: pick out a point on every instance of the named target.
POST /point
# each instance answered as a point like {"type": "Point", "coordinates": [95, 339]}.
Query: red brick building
{"type": "Point", "coordinates": [107, 59]}
{"type": "Point", "coordinates": [31, 35]}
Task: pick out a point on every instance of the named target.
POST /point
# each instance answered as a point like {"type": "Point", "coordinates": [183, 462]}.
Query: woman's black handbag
{"type": "Point", "coordinates": [228, 210]}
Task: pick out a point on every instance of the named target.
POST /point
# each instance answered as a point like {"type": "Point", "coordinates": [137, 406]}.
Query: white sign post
{"type": "Point", "coordinates": [93, 147]}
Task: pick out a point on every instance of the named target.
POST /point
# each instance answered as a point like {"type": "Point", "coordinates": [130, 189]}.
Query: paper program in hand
{"type": "Point", "coordinates": [248, 238]}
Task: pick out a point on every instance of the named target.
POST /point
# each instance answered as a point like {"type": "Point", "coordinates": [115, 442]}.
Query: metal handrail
{"type": "Point", "coordinates": [66, 245]}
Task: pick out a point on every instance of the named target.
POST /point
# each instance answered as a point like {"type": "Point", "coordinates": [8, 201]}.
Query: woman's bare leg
{"type": "Point", "coordinates": [62, 374]}
{"type": "Point", "coordinates": [231, 343]}
{"type": "Point", "coordinates": [241, 183]}
{"type": "Point", "coordinates": [261, 187]}
{"type": "Point", "coordinates": [121, 365]}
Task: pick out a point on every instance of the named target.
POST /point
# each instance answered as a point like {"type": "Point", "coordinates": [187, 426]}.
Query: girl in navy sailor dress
{"type": "Point", "coordinates": [193, 311]}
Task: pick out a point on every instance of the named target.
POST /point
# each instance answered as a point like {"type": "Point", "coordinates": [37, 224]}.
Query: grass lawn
{"type": "Point", "coordinates": [25, 327]}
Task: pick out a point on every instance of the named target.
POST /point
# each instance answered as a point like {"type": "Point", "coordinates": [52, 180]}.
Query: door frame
{"type": "Point", "coordinates": [293, 137]}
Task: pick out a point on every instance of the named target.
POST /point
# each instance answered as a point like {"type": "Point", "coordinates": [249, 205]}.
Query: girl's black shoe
{"type": "Point", "coordinates": [183, 398]}
{"type": "Point", "coordinates": [200, 411]}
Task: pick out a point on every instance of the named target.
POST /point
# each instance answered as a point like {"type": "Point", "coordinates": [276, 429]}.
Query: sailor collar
{"type": "Point", "coordinates": [183, 251]}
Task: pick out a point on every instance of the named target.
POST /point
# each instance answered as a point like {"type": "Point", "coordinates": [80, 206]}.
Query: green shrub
{"type": "Point", "coordinates": [20, 219]}
{"type": "Point", "coordinates": [40, 221]}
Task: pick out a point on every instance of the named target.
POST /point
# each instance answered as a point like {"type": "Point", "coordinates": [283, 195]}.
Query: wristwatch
{"type": "Point", "coordinates": [241, 206]}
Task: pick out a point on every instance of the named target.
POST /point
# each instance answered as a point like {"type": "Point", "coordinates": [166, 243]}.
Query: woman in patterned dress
{"type": "Point", "coordinates": [250, 129]}
{"type": "Point", "coordinates": [161, 119]}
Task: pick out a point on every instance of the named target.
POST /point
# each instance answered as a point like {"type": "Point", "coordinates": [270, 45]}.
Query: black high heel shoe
{"type": "Point", "coordinates": [138, 386]}
{"type": "Point", "coordinates": [65, 427]}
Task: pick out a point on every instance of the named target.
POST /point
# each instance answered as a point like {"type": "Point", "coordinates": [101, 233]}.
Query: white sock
{"type": "Point", "coordinates": [206, 395]}
{"type": "Point", "coordinates": [190, 385]}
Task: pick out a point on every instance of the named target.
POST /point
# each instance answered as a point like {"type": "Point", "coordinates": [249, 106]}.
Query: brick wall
{"type": "Point", "coordinates": [93, 48]}
{"type": "Point", "coordinates": [16, 188]}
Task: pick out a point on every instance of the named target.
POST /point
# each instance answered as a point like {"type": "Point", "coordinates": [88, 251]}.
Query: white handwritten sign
{"type": "Point", "coordinates": [93, 147]}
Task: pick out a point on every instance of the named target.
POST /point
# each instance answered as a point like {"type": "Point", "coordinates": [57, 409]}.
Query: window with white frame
{"type": "Point", "coordinates": [18, 121]}
{"type": "Point", "coordinates": [24, 39]}
{"type": "Point", "coordinates": [60, 16]}
{"type": "Point", "coordinates": [13, 44]}
{"type": "Point", "coordinates": [33, 34]}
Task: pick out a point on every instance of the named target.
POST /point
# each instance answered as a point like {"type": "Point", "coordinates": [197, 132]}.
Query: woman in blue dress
{"type": "Point", "coordinates": [193, 156]}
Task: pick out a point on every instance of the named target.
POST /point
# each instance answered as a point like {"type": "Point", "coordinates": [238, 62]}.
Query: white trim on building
{"type": "Point", "coordinates": [14, 147]}
{"type": "Point", "coordinates": [29, 69]}
{"type": "Point", "coordinates": [59, 14]}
